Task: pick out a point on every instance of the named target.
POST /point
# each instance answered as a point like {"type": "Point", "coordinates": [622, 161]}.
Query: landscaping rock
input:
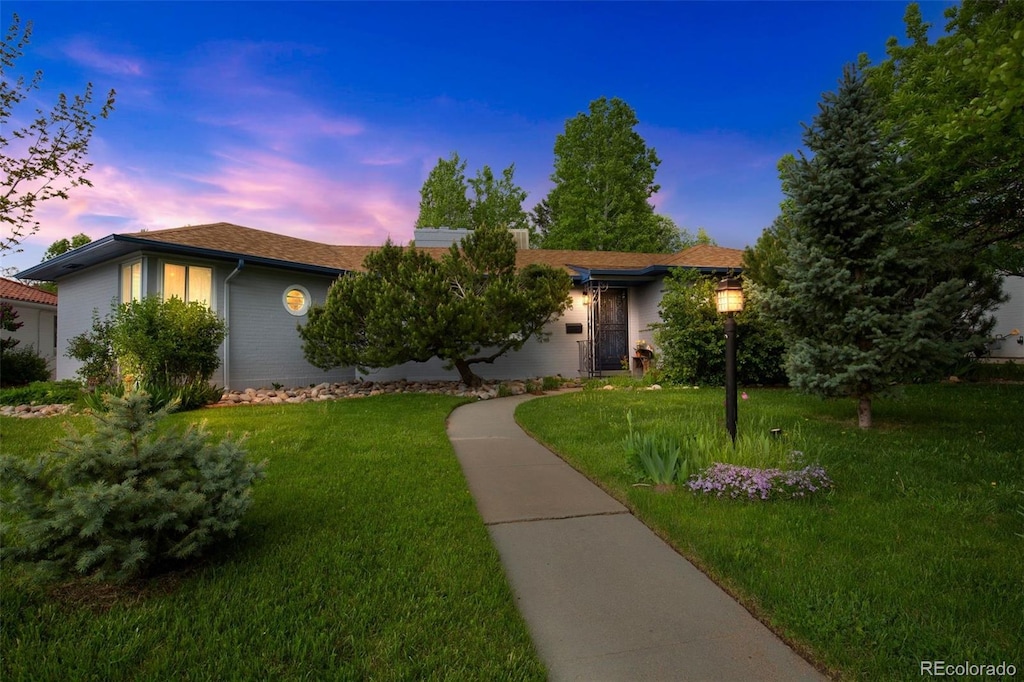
{"type": "Point", "coordinates": [328, 391]}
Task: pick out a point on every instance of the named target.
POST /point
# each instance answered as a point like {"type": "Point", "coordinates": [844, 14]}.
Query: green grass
{"type": "Point", "coordinates": [363, 557]}
{"type": "Point", "coordinates": [915, 554]}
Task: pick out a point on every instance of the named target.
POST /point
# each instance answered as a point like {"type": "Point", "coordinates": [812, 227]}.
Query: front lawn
{"type": "Point", "coordinates": [363, 557]}
{"type": "Point", "coordinates": [914, 556]}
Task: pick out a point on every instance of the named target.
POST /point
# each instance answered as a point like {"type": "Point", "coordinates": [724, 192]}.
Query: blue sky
{"type": "Point", "coordinates": [321, 120]}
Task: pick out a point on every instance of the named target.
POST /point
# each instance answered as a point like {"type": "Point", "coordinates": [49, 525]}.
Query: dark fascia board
{"type": "Point", "coordinates": [118, 245]}
{"type": "Point", "coordinates": [648, 273]}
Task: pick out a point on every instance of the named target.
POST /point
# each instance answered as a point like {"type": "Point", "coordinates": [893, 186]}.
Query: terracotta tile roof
{"type": "Point", "coordinates": [16, 291]}
{"type": "Point", "coordinates": [246, 241]}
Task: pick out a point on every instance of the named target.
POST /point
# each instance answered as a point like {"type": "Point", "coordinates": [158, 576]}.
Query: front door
{"type": "Point", "coordinates": [612, 330]}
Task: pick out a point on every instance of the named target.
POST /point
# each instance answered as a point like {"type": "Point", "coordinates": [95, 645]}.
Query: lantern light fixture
{"type": "Point", "coordinates": [729, 296]}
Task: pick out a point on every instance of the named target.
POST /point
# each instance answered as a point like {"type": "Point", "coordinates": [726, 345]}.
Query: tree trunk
{"type": "Point", "coordinates": [864, 412]}
{"type": "Point", "coordinates": [468, 378]}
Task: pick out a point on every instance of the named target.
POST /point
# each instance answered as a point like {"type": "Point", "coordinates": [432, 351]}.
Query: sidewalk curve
{"type": "Point", "coordinates": [604, 598]}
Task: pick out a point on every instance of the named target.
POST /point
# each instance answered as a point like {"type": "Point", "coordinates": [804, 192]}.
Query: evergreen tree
{"type": "Point", "coordinates": [443, 201]}
{"type": "Point", "coordinates": [862, 307]}
{"type": "Point", "coordinates": [604, 176]}
{"type": "Point", "coordinates": [124, 496]}
{"type": "Point", "coordinates": [471, 306]}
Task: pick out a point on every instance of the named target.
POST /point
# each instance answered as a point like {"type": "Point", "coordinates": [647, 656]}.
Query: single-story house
{"type": "Point", "coordinates": [262, 284]}
{"type": "Point", "coordinates": [37, 313]}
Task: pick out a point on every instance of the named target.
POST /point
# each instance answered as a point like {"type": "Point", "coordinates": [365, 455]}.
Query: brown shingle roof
{"type": "Point", "coordinates": [16, 291]}
{"type": "Point", "coordinates": [246, 241]}
{"type": "Point", "coordinates": [235, 239]}
{"type": "Point", "coordinates": [703, 255]}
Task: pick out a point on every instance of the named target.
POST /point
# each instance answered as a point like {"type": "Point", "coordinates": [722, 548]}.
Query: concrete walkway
{"type": "Point", "coordinates": [604, 598]}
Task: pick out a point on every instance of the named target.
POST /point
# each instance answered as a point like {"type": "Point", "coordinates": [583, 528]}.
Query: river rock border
{"type": "Point", "coordinates": [329, 391]}
{"type": "Point", "coordinates": [365, 389]}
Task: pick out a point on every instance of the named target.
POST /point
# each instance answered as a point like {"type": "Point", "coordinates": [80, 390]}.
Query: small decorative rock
{"type": "Point", "coordinates": [327, 391]}
{"type": "Point", "coordinates": [33, 411]}
{"type": "Point", "coordinates": [363, 389]}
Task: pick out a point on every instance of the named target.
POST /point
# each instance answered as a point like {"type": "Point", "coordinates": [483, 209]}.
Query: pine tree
{"type": "Point", "coordinates": [471, 306]}
{"type": "Point", "coordinates": [862, 307]}
{"type": "Point", "coordinates": [113, 502]}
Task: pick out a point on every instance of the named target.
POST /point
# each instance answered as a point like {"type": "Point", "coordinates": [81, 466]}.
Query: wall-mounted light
{"type": "Point", "coordinates": [586, 299]}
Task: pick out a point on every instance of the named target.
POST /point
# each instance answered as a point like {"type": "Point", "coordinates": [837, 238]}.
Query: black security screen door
{"type": "Point", "coordinates": [612, 330]}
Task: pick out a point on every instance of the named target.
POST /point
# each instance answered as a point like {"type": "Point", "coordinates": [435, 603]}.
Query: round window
{"type": "Point", "coordinates": [296, 300]}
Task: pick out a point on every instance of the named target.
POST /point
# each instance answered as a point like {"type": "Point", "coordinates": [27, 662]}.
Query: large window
{"type": "Point", "coordinates": [131, 282]}
{"type": "Point", "coordinates": [188, 282]}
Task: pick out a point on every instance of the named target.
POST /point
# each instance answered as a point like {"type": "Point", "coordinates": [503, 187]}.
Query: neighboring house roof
{"type": "Point", "coordinates": [16, 291]}
{"type": "Point", "coordinates": [232, 242]}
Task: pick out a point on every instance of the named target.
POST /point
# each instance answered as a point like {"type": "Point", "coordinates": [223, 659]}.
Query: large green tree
{"type": "Point", "coordinates": [498, 201]}
{"type": "Point", "coordinates": [471, 306]}
{"type": "Point", "coordinates": [862, 307]}
{"type": "Point", "coordinates": [443, 201]}
{"type": "Point", "coordinates": [604, 177]}
{"type": "Point", "coordinates": [956, 108]}
{"type": "Point", "coordinates": [63, 245]}
{"type": "Point", "coordinates": [45, 157]}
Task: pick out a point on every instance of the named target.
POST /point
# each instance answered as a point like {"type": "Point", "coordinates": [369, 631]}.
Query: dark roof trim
{"type": "Point", "coordinates": [118, 245]}
{"type": "Point", "coordinates": [649, 272]}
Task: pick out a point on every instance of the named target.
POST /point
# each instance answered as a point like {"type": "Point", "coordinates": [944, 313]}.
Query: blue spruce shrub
{"type": "Point", "coordinates": [113, 503]}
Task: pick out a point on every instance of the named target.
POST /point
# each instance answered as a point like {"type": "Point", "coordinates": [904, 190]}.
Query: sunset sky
{"type": "Point", "coordinates": [321, 120]}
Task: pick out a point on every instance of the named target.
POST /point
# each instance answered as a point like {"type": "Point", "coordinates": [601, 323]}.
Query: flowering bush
{"type": "Point", "coordinates": [760, 484]}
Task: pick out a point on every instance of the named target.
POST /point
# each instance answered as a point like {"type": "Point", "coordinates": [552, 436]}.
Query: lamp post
{"type": "Point", "coordinates": [729, 300]}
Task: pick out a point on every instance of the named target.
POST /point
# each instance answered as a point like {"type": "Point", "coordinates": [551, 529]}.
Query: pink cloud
{"type": "Point", "coordinates": [256, 189]}
{"type": "Point", "coordinates": [87, 54]}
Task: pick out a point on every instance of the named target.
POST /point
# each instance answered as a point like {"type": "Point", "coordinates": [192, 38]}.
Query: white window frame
{"type": "Point", "coordinates": [211, 304]}
{"type": "Point", "coordinates": [142, 279]}
{"type": "Point", "coordinates": [307, 300]}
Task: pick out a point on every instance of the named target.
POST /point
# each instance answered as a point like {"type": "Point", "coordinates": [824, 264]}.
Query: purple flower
{"type": "Point", "coordinates": [760, 484]}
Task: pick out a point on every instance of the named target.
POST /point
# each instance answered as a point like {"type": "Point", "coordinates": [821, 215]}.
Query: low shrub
{"type": "Point", "coordinates": [551, 383]}
{"type": "Point", "coordinates": [994, 371]}
{"type": "Point", "coordinates": [175, 398]}
{"type": "Point", "coordinates": [692, 345]}
{"type": "Point", "coordinates": [21, 366]}
{"type": "Point", "coordinates": [167, 348]}
{"type": "Point", "coordinates": [42, 393]}
{"type": "Point", "coordinates": [116, 502]}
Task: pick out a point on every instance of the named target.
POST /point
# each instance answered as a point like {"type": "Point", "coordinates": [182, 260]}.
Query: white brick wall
{"type": "Point", "coordinates": [265, 347]}
{"type": "Point", "coordinates": [80, 294]}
